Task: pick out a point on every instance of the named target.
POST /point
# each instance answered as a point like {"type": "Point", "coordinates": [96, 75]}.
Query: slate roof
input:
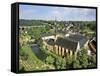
{"type": "Point", "coordinates": [78, 38]}
{"type": "Point", "coordinates": [70, 42]}
{"type": "Point", "coordinates": [66, 43]}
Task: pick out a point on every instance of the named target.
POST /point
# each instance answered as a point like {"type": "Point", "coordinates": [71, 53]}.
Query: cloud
{"type": "Point", "coordinates": [79, 14]}
{"type": "Point", "coordinates": [25, 12]}
{"type": "Point", "coordinates": [60, 13]}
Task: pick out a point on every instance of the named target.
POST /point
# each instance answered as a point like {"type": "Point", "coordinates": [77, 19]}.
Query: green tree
{"type": "Point", "coordinates": [60, 63]}
{"type": "Point", "coordinates": [63, 64]}
{"type": "Point", "coordinates": [83, 58]}
{"type": "Point", "coordinates": [76, 64]}
{"type": "Point", "coordinates": [49, 60]}
{"type": "Point", "coordinates": [92, 61]}
{"type": "Point", "coordinates": [69, 62]}
{"type": "Point", "coordinates": [23, 55]}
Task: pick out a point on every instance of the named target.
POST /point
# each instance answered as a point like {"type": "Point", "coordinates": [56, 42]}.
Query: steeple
{"type": "Point", "coordinates": [55, 28]}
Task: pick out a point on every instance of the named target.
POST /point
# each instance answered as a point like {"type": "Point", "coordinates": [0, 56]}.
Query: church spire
{"type": "Point", "coordinates": [55, 28]}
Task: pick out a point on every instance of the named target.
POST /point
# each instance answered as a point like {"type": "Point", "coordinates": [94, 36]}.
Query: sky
{"type": "Point", "coordinates": [32, 12]}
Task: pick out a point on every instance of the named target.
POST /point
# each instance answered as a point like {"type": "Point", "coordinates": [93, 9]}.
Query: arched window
{"type": "Point", "coordinates": [68, 52]}
{"type": "Point", "coordinates": [65, 54]}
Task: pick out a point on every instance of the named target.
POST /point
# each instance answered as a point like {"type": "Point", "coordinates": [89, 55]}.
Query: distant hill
{"type": "Point", "coordinates": [23, 22]}
{"type": "Point", "coordinates": [80, 24]}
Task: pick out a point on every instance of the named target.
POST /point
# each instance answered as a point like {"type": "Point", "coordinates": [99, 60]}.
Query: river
{"type": "Point", "coordinates": [37, 51]}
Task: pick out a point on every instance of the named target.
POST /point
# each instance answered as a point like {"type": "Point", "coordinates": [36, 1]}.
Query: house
{"type": "Point", "coordinates": [92, 46]}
